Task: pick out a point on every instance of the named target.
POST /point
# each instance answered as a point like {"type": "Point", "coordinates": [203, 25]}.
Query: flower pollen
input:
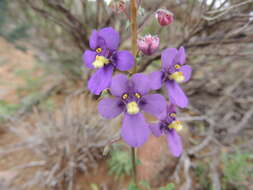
{"type": "Point", "coordinates": [137, 95]}
{"type": "Point", "coordinates": [132, 108]}
{"type": "Point", "coordinates": [100, 62]}
{"type": "Point", "coordinates": [98, 50]}
{"type": "Point", "coordinates": [177, 76]}
{"type": "Point", "coordinates": [125, 96]}
{"type": "Point", "coordinates": [177, 66]}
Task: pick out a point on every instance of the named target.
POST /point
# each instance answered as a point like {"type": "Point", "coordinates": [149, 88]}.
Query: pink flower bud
{"type": "Point", "coordinates": [148, 44]}
{"type": "Point", "coordinates": [164, 17]}
{"type": "Point", "coordinates": [118, 6]}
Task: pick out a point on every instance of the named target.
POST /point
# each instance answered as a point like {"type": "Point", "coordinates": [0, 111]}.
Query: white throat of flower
{"type": "Point", "coordinates": [100, 62]}
{"type": "Point", "coordinates": [133, 108]}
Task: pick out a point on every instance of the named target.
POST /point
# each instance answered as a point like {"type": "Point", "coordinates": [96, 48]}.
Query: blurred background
{"type": "Point", "coordinates": [51, 135]}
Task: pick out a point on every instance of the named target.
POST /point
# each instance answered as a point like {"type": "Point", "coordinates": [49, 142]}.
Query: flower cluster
{"type": "Point", "coordinates": [105, 58]}
{"type": "Point", "coordinates": [132, 96]}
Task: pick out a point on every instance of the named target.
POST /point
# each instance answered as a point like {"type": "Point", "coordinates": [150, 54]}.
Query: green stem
{"type": "Point", "coordinates": [134, 165]}
{"type": "Point", "coordinates": [133, 19]}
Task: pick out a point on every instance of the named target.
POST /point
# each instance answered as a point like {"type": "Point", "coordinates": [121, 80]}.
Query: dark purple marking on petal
{"type": "Point", "coordinates": [100, 80]}
{"type": "Point", "coordinates": [171, 108]}
{"type": "Point", "coordinates": [176, 94]}
{"type": "Point", "coordinates": [110, 107]}
{"type": "Point", "coordinates": [135, 131]}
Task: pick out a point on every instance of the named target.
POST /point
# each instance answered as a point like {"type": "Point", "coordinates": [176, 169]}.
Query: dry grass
{"type": "Point", "coordinates": [65, 143]}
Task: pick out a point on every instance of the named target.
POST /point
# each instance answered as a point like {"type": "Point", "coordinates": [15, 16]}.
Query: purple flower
{"type": "Point", "coordinates": [105, 58]}
{"type": "Point", "coordinates": [131, 97]}
{"type": "Point", "coordinates": [173, 71]}
{"type": "Point", "coordinates": [148, 44]}
{"type": "Point", "coordinates": [168, 125]}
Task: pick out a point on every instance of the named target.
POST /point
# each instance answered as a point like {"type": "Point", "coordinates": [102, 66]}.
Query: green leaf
{"type": "Point", "coordinates": [132, 186]}
{"type": "Point", "coordinates": [170, 186]}
{"type": "Point", "coordinates": [145, 184]}
{"type": "Point", "coordinates": [94, 186]}
{"type": "Point", "coordinates": [127, 25]}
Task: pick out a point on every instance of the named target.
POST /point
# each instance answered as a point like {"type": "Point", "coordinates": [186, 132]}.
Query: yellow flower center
{"type": "Point", "coordinates": [124, 96]}
{"type": "Point", "coordinates": [98, 50]}
{"type": "Point", "coordinates": [137, 95]}
{"type": "Point", "coordinates": [177, 76]}
{"type": "Point", "coordinates": [100, 62]}
{"type": "Point", "coordinates": [177, 66]}
{"type": "Point", "coordinates": [177, 125]}
{"type": "Point", "coordinates": [132, 108]}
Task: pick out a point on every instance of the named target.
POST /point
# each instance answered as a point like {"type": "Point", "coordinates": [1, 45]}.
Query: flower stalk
{"type": "Point", "coordinates": [133, 18]}
{"type": "Point", "coordinates": [134, 164]}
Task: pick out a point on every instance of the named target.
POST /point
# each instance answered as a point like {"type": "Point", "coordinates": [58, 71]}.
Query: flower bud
{"type": "Point", "coordinates": [164, 17]}
{"type": "Point", "coordinates": [118, 6]}
{"type": "Point", "coordinates": [148, 44]}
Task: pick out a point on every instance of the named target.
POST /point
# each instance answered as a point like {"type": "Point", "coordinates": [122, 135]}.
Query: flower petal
{"type": "Point", "coordinates": [180, 57]}
{"type": "Point", "coordinates": [155, 129]}
{"type": "Point", "coordinates": [176, 94]}
{"type": "Point", "coordinates": [124, 60]}
{"type": "Point", "coordinates": [168, 56]}
{"type": "Point", "coordinates": [141, 83]}
{"type": "Point", "coordinates": [93, 40]}
{"type": "Point", "coordinates": [135, 130]}
{"type": "Point", "coordinates": [110, 107]}
{"type": "Point", "coordinates": [119, 85]}
{"type": "Point", "coordinates": [154, 104]}
{"type": "Point", "coordinates": [88, 58]}
{"type": "Point", "coordinates": [100, 80]}
{"type": "Point", "coordinates": [111, 37]}
{"type": "Point", "coordinates": [187, 71]}
{"type": "Point", "coordinates": [174, 142]}
{"type": "Point", "coordinates": [155, 80]}
{"type": "Point", "coordinates": [171, 108]}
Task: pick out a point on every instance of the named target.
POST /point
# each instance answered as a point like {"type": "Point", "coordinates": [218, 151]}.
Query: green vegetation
{"type": "Point", "coordinates": [146, 185]}
{"type": "Point", "coordinates": [201, 172]}
{"type": "Point", "coordinates": [120, 162]}
{"type": "Point", "coordinates": [94, 186]}
{"type": "Point", "coordinates": [11, 34]}
{"type": "Point", "coordinates": [7, 109]}
{"type": "Point", "coordinates": [237, 168]}
{"type": "Point", "coordinates": [169, 186]}
{"type": "Point", "coordinates": [3, 13]}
